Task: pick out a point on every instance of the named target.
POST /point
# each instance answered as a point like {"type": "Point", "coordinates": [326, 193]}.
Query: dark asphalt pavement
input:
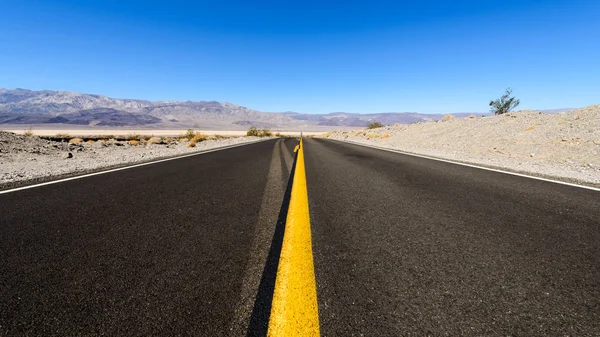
{"type": "Point", "coordinates": [405, 246]}
{"type": "Point", "coordinates": [154, 250]}
{"type": "Point", "coordinates": [402, 246]}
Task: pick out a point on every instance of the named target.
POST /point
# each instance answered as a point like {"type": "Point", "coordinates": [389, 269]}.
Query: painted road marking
{"type": "Point", "coordinates": [294, 311]}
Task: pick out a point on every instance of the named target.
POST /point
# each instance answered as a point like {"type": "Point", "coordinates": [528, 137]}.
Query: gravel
{"type": "Point", "coordinates": [25, 159]}
{"type": "Point", "coordinates": [563, 146]}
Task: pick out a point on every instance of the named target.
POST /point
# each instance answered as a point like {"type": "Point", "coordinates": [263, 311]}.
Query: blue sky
{"type": "Point", "coordinates": [309, 56]}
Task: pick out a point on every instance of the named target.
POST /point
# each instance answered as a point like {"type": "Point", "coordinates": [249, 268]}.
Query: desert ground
{"type": "Point", "coordinates": [30, 158]}
{"type": "Point", "coordinates": [44, 131]}
{"type": "Point", "coordinates": [563, 146]}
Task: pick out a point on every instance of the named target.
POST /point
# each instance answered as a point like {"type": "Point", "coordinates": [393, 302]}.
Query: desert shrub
{"type": "Point", "coordinates": [134, 142]}
{"type": "Point", "coordinates": [134, 136]}
{"type": "Point", "coordinates": [447, 118]}
{"type": "Point", "coordinates": [189, 134]}
{"type": "Point", "coordinates": [28, 132]}
{"type": "Point", "coordinates": [198, 137]}
{"type": "Point", "coordinates": [504, 104]}
{"type": "Point", "coordinates": [62, 136]}
{"type": "Point", "coordinates": [374, 125]}
{"type": "Point", "coordinates": [253, 131]}
{"type": "Point", "coordinates": [192, 144]}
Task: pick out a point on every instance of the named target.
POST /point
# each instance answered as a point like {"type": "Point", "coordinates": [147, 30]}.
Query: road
{"type": "Point", "coordinates": [402, 246]}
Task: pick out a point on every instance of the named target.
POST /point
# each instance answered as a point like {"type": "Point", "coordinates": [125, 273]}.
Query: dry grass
{"type": "Point", "coordinates": [134, 142]}
{"type": "Point", "coordinates": [198, 137]}
{"type": "Point", "coordinates": [384, 136]}
{"type": "Point", "coordinates": [28, 132]}
{"type": "Point", "coordinates": [133, 136]}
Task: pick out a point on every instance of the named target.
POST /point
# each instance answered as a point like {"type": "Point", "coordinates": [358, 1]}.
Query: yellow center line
{"type": "Point", "coordinates": [294, 311]}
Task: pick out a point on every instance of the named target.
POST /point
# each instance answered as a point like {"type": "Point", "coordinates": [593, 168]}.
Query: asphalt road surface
{"type": "Point", "coordinates": [409, 246]}
{"type": "Point", "coordinates": [402, 246]}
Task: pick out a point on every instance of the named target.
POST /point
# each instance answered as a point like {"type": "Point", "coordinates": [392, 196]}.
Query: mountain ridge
{"type": "Point", "coordinates": [24, 106]}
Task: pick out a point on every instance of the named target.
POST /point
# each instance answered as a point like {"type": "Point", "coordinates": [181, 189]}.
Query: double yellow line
{"type": "Point", "coordinates": [294, 311]}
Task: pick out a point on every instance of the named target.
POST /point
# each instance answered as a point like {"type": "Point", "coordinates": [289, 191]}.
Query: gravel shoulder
{"type": "Point", "coordinates": [564, 146]}
{"type": "Point", "coordinates": [30, 159]}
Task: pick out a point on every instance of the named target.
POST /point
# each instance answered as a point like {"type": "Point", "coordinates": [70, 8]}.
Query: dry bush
{"type": "Point", "coordinates": [183, 140]}
{"type": "Point", "coordinates": [75, 141]}
{"type": "Point", "coordinates": [447, 118]}
{"type": "Point", "coordinates": [374, 125]}
{"type": "Point", "coordinates": [189, 134]}
{"type": "Point", "coordinates": [372, 135]}
{"type": "Point", "coordinates": [254, 132]}
{"type": "Point", "coordinates": [385, 135]}
{"type": "Point", "coordinates": [90, 141]}
{"type": "Point", "coordinates": [62, 135]}
{"type": "Point", "coordinates": [133, 136]}
{"type": "Point", "coordinates": [28, 132]}
{"type": "Point", "coordinates": [134, 142]}
{"type": "Point", "coordinates": [192, 144]}
{"type": "Point", "coordinates": [198, 137]}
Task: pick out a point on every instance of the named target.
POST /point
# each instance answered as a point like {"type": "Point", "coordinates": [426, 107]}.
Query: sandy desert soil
{"type": "Point", "coordinates": [564, 145]}
{"type": "Point", "coordinates": [26, 159]}
{"type": "Point", "coordinates": [120, 132]}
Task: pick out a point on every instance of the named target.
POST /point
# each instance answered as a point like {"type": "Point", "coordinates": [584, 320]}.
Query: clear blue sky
{"type": "Point", "coordinates": [309, 56]}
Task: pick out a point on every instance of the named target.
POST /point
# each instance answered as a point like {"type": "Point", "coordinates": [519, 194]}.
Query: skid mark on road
{"type": "Point", "coordinates": [263, 233]}
{"type": "Point", "coordinates": [286, 155]}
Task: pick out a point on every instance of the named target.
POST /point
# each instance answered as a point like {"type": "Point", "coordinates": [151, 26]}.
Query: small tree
{"type": "Point", "coordinates": [374, 125]}
{"type": "Point", "coordinates": [504, 104]}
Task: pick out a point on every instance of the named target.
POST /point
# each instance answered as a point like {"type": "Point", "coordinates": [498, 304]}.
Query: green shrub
{"type": "Point", "coordinates": [374, 125]}
{"type": "Point", "coordinates": [504, 104]}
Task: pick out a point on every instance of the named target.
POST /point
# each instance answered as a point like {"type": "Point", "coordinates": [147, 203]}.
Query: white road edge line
{"type": "Point", "coordinates": [128, 167]}
{"type": "Point", "coordinates": [470, 165]}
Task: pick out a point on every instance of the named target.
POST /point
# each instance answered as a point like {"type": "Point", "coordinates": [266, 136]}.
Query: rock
{"type": "Point", "coordinates": [67, 155]}
{"type": "Point", "coordinates": [75, 141]}
{"type": "Point", "coordinates": [155, 140]}
{"type": "Point", "coordinates": [447, 118]}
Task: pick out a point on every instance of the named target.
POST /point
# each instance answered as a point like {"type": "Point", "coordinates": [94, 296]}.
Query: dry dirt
{"type": "Point", "coordinates": [564, 145]}
{"type": "Point", "coordinates": [25, 159]}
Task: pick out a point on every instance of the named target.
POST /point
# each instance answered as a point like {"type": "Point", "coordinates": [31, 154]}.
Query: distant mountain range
{"type": "Point", "coordinates": [69, 109]}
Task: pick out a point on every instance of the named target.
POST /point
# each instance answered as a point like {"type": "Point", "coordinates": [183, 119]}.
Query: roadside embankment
{"type": "Point", "coordinates": [565, 146]}
{"type": "Point", "coordinates": [26, 159]}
